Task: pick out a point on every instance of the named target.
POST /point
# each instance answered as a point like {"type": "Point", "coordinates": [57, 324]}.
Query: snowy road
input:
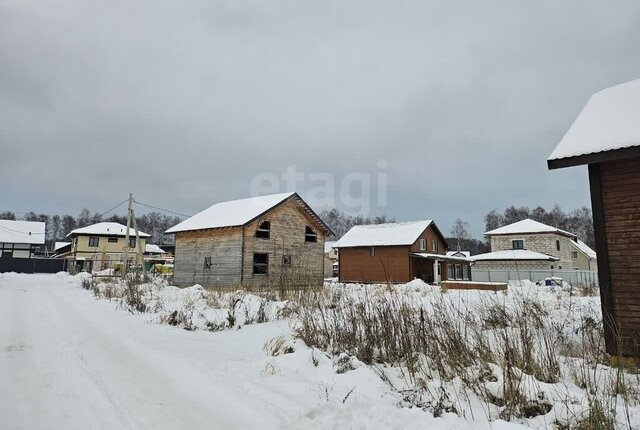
{"type": "Point", "coordinates": [70, 361]}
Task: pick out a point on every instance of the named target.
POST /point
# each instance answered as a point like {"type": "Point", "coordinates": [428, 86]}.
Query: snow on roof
{"type": "Point", "coordinates": [580, 245]}
{"type": "Point", "coordinates": [527, 226]}
{"type": "Point", "coordinates": [31, 232]}
{"type": "Point", "coordinates": [106, 229]}
{"type": "Point", "coordinates": [453, 253]}
{"type": "Point", "coordinates": [443, 257]}
{"type": "Point", "coordinates": [230, 214]}
{"type": "Point", "coordinates": [59, 245]}
{"type": "Point", "coordinates": [328, 246]}
{"type": "Point", "coordinates": [607, 122]}
{"type": "Point", "coordinates": [399, 233]}
{"type": "Point", "coordinates": [513, 254]}
{"type": "Point", "coordinates": [153, 249]}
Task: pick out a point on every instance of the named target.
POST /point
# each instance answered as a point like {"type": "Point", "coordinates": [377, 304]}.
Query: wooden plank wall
{"type": "Point", "coordinates": [390, 264]}
{"type": "Point", "coordinates": [224, 246]}
{"type": "Point", "coordinates": [620, 189]}
{"type": "Point", "coordinates": [288, 223]}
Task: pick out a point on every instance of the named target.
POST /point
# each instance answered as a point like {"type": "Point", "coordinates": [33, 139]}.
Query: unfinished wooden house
{"type": "Point", "coordinates": [606, 137]}
{"type": "Point", "coordinates": [259, 242]}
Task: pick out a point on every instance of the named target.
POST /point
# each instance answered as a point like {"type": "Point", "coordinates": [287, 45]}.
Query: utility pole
{"type": "Point", "coordinates": [126, 244]}
{"type": "Point", "coordinates": [139, 244]}
{"type": "Point", "coordinates": [131, 217]}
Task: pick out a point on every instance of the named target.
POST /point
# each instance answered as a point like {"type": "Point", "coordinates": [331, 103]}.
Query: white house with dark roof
{"type": "Point", "coordinates": [258, 242]}
{"type": "Point", "coordinates": [21, 239]}
{"type": "Point", "coordinates": [532, 245]}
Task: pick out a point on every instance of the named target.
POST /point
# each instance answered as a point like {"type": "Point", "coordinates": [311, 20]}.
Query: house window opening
{"type": "Point", "coordinates": [574, 254]}
{"type": "Point", "coordinates": [517, 244]}
{"type": "Point", "coordinates": [264, 230]}
{"type": "Point", "coordinates": [260, 264]}
{"type": "Point", "coordinates": [423, 244]}
{"type": "Point", "coordinates": [132, 242]}
{"type": "Point", "coordinates": [310, 235]}
{"type": "Point", "coordinates": [207, 264]}
{"type": "Point", "coordinates": [372, 251]}
{"type": "Point", "coordinates": [93, 241]}
{"type": "Point", "coordinates": [286, 261]}
{"type": "Point", "coordinates": [113, 240]}
{"type": "Point", "coordinates": [557, 245]}
{"type": "Point", "coordinates": [434, 245]}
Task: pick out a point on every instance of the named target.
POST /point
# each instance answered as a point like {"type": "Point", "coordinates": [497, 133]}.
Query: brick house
{"type": "Point", "coordinates": [398, 253]}
{"type": "Point", "coordinates": [532, 245]}
{"type": "Point", "coordinates": [606, 137]}
{"type": "Point", "coordinates": [257, 243]}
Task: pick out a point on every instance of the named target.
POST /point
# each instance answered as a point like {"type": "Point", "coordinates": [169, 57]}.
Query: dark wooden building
{"type": "Point", "coordinates": [260, 242]}
{"type": "Point", "coordinates": [398, 253]}
{"type": "Point", "coordinates": [606, 137]}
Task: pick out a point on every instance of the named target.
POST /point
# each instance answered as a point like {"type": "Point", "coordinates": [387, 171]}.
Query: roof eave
{"type": "Point", "coordinates": [306, 207]}
{"type": "Point", "coordinates": [594, 157]}
{"type": "Point", "coordinates": [560, 232]}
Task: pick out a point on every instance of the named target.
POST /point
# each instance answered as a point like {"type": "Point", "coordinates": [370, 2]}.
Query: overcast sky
{"type": "Point", "coordinates": [184, 102]}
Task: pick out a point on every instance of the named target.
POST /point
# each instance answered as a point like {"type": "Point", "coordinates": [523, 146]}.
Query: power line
{"type": "Point", "coordinates": [160, 209]}
{"type": "Point", "coordinates": [18, 231]}
{"type": "Point", "coordinates": [114, 208]}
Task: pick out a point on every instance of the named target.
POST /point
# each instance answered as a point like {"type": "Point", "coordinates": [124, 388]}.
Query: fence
{"type": "Point", "coordinates": [574, 277]}
{"type": "Point", "coordinates": [31, 265]}
{"type": "Point", "coordinates": [115, 267]}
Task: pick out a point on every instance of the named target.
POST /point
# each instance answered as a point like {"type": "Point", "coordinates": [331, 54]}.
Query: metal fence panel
{"type": "Point", "coordinates": [31, 265]}
{"type": "Point", "coordinates": [574, 277]}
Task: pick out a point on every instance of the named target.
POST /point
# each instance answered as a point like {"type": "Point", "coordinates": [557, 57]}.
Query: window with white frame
{"type": "Point", "coordinates": [423, 244]}
{"type": "Point", "coordinates": [434, 245]}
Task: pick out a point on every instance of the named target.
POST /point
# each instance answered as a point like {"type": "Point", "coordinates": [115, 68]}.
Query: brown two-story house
{"type": "Point", "coordinates": [398, 253]}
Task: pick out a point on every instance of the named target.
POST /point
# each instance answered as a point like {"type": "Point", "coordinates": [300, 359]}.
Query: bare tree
{"type": "Point", "coordinates": [8, 215]}
{"type": "Point", "coordinates": [460, 231]}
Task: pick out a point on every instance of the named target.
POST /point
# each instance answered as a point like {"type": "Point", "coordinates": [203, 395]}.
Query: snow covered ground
{"type": "Point", "coordinates": [71, 360]}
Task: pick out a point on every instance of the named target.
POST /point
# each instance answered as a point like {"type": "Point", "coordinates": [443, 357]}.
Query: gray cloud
{"type": "Point", "coordinates": [183, 103]}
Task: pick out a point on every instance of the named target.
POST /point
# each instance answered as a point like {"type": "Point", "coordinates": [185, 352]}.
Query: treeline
{"type": "Point", "coordinates": [578, 221]}
{"type": "Point", "coordinates": [341, 222]}
{"type": "Point", "coordinates": [58, 226]}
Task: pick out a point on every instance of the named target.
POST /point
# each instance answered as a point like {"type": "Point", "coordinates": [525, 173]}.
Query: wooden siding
{"type": "Point", "coordinates": [620, 193]}
{"type": "Point", "coordinates": [224, 246]}
{"type": "Point", "coordinates": [390, 263]}
{"type": "Point", "coordinates": [287, 237]}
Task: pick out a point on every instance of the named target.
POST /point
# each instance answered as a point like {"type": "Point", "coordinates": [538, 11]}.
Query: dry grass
{"type": "Point", "coordinates": [449, 351]}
